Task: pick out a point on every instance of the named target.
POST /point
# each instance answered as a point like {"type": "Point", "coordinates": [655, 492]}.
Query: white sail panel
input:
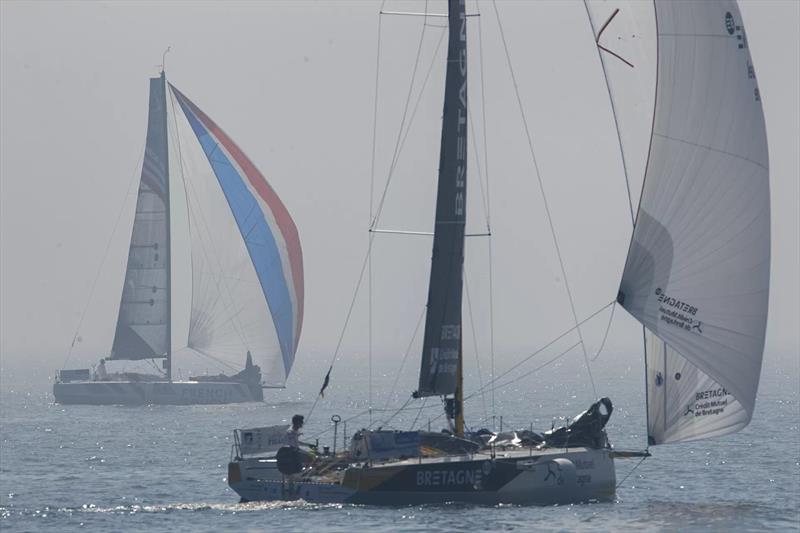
{"type": "Point", "coordinates": [684, 403]}
{"type": "Point", "coordinates": [625, 31]}
{"type": "Point", "coordinates": [229, 313]}
{"type": "Point", "coordinates": [697, 272]}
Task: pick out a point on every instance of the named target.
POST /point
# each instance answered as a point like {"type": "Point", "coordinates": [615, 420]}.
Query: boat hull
{"type": "Point", "coordinates": [521, 477]}
{"type": "Point", "coordinates": [155, 392]}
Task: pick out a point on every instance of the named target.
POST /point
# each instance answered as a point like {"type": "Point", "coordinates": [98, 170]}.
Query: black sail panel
{"type": "Point", "coordinates": [143, 322]}
{"type": "Point", "coordinates": [441, 350]}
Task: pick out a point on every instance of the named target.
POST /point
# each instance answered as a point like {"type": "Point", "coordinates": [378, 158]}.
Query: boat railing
{"type": "Point", "coordinates": [255, 442]}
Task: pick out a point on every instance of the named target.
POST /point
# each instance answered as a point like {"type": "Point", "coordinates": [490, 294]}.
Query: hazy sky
{"type": "Point", "coordinates": [293, 84]}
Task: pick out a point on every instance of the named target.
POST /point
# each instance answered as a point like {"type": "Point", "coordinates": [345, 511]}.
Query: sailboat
{"type": "Point", "coordinates": [214, 271]}
{"type": "Point", "coordinates": [696, 278]}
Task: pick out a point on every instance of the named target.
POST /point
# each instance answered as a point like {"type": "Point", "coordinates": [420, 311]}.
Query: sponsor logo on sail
{"type": "Point", "coordinates": [679, 313]}
{"type": "Point", "coordinates": [708, 402]}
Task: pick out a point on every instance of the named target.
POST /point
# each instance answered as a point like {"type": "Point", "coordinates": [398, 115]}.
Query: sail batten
{"type": "Point", "coordinates": [442, 339]}
{"type": "Point", "coordinates": [697, 272]}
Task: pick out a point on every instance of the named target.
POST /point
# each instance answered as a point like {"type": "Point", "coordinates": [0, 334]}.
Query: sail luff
{"type": "Point", "coordinates": [442, 338]}
{"type": "Point", "coordinates": [168, 252]}
{"type": "Point", "coordinates": [142, 330]}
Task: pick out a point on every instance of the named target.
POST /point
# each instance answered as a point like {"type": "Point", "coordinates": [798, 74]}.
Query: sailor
{"type": "Point", "coordinates": [293, 439]}
{"type": "Point", "coordinates": [294, 432]}
{"type": "Point", "coordinates": [101, 374]}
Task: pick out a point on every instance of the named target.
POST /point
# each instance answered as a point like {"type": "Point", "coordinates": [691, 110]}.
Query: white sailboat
{"type": "Point", "coordinates": [696, 277]}
{"type": "Point", "coordinates": [214, 271]}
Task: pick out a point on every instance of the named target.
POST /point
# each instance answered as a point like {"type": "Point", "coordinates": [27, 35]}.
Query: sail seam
{"type": "Point", "coordinates": [711, 148]}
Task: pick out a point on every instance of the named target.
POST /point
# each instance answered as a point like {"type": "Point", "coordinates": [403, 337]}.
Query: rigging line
{"type": "Point", "coordinates": [347, 318]}
{"type": "Point", "coordinates": [475, 344]}
{"type": "Point", "coordinates": [544, 197]}
{"type": "Point", "coordinates": [375, 119]}
{"type": "Point", "coordinates": [366, 411]}
{"type": "Point", "coordinates": [405, 357]}
{"type": "Point", "coordinates": [188, 218]}
{"type": "Point", "coordinates": [631, 472]}
{"type": "Point", "coordinates": [488, 200]}
{"type": "Point", "coordinates": [419, 412]}
{"type": "Point", "coordinates": [611, 100]}
{"type": "Point", "coordinates": [540, 350]}
{"type": "Point", "coordinates": [477, 164]}
{"type": "Point", "coordinates": [211, 357]}
{"type": "Point", "coordinates": [105, 256]}
{"type": "Point", "coordinates": [371, 200]}
{"type": "Point", "coordinates": [559, 356]}
{"type": "Point", "coordinates": [526, 374]}
{"type": "Point", "coordinates": [221, 278]}
{"type": "Point", "coordinates": [369, 330]}
{"type": "Point", "coordinates": [400, 137]}
{"type": "Point", "coordinates": [395, 161]}
{"type": "Point", "coordinates": [608, 328]}
{"type": "Point", "coordinates": [402, 408]}
{"type": "Point", "coordinates": [345, 420]}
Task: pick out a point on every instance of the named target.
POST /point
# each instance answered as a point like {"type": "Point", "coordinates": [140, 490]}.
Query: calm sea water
{"type": "Point", "coordinates": [164, 467]}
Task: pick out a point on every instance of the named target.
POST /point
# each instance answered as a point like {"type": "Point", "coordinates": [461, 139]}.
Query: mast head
{"type": "Point", "coordinates": [164, 61]}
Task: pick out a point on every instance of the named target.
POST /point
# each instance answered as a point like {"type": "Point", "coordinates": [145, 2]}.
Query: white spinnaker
{"type": "Point", "coordinates": [180, 237]}
{"type": "Point", "coordinates": [628, 30]}
{"type": "Point", "coordinates": [683, 402]}
{"type": "Point", "coordinates": [229, 314]}
{"type": "Point", "coordinates": [697, 272]}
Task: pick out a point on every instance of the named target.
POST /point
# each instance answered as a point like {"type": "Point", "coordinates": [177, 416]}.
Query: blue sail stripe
{"type": "Point", "coordinates": [256, 233]}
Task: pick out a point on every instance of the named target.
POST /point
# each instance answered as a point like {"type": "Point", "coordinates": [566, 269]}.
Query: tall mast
{"type": "Point", "coordinates": [168, 360]}
{"type": "Point", "coordinates": [143, 322]}
{"type": "Point", "coordinates": [441, 367]}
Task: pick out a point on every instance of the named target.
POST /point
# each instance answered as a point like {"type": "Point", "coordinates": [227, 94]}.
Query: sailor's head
{"type": "Point", "coordinates": [297, 421]}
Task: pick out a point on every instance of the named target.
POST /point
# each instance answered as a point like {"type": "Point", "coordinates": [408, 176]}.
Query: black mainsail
{"type": "Point", "coordinates": [441, 352]}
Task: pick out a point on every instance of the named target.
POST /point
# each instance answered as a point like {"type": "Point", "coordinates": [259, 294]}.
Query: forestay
{"type": "Point", "coordinates": [697, 272]}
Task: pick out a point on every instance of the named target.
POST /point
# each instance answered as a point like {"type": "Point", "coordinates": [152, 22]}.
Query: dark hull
{"type": "Point", "coordinates": [520, 477]}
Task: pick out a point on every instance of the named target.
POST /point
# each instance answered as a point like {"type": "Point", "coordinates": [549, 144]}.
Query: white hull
{"type": "Point", "coordinates": [527, 477]}
{"type": "Point", "coordinates": [154, 392]}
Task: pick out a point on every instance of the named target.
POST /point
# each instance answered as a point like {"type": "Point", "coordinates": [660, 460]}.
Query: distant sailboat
{"type": "Point", "coordinates": [696, 277]}
{"type": "Point", "coordinates": [207, 220]}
